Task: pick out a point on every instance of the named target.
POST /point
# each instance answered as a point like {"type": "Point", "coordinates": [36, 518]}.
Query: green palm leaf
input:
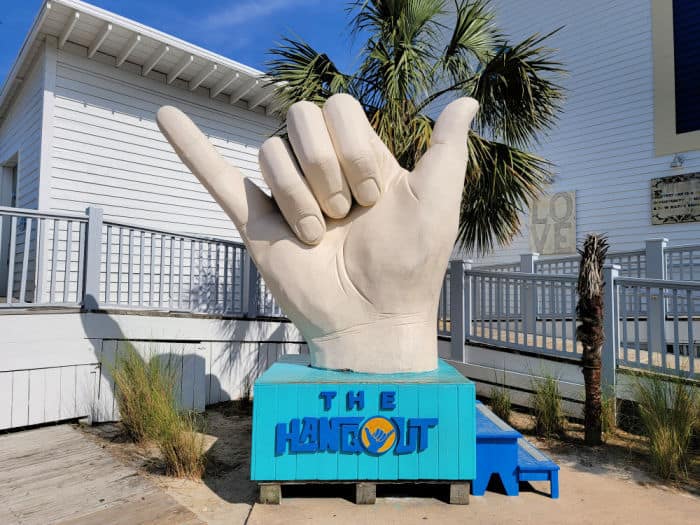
{"type": "Point", "coordinates": [418, 53]}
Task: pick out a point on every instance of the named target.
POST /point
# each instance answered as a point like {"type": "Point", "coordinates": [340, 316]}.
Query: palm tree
{"type": "Point", "coordinates": [415, 57]}
{"type": "Point", "coordinates": [590, 332]}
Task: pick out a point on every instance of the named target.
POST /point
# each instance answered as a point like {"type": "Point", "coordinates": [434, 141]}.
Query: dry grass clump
{"type": "Point", "coordinates": [500, 402]}
{"type": "Point", "coordinates": [668, 412]}
{"type": "Point", "coordinates": [607, 414]}
{"type": "Point", "coordinates": [182, 449]}
{"type": "Point", "coordinates": [146, 393]}
{"type": "Point", "coordinates": [546, 405]}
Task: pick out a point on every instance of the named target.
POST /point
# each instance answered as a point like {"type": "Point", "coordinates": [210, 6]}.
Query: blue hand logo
{"type": "Point", "coordinates": [378, 435]}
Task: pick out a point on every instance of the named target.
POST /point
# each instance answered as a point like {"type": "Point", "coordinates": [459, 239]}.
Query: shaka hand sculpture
{"type": "Point", "coordinates": [360, 281]}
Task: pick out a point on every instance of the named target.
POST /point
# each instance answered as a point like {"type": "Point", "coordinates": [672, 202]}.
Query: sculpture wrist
{"type": "Point", "coordinates": [386, 345]}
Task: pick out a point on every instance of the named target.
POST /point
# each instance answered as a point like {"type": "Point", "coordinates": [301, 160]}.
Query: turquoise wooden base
{"type": "Point", "coordinates": [311, 424]}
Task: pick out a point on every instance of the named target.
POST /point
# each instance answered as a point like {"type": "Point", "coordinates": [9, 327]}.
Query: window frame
{"type": "Point", "coordinates": [666, 140]}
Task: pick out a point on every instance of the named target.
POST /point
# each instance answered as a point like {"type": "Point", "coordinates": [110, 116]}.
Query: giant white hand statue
{"type": "Point", "coordinates": [360, 281]}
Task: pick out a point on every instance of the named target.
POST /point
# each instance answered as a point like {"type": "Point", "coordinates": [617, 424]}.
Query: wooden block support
{"type": "Point", "coordinates": [270, 493]}
{"type": "Point", "coordinates": [365, 493]}
{"type": "Point", "coordinates": [459, 493]}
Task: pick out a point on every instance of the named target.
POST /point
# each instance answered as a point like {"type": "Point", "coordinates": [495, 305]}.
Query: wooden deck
{"type": "Point", "coordinates": [57, 475]}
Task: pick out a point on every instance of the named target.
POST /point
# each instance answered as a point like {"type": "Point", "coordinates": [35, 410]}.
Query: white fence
{"type": "Point", "coordinates": [650, 324]}
{"type": "Point", "coordinates": [68, 260]}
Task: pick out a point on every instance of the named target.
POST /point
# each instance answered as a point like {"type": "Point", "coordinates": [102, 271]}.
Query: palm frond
{"type": "Point", "coordinates": [501, 181]}
{"type": "Point", "coordinates": [472, 40]}
{"type": "Point", "coordinates": [516, 91]}
{"type": "Point", "coordinates": [401, 50]}
{"type": "Point", "coordinates": [407, 65]}
{"type": "Point", "coordinates": [305, 73]}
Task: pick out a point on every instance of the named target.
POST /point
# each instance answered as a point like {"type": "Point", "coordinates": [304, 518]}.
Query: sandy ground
{"type": "Point", "coordinates": [609, 484]}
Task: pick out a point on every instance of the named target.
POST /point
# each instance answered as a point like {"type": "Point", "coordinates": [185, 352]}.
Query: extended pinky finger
{"type": "Point", "coordinates": [291, 192]}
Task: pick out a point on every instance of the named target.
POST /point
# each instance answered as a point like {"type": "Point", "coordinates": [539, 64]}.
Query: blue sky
{"type": "Point", "coordinates": [243, 30]}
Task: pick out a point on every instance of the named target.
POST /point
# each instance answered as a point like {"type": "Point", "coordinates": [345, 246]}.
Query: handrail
{"type": "Point", "coordinates": [658, 283]}
{"type": "Point", "coordinates": [179, 235]}
{"type": "Point", "coordinates": [26, 212]}
{"type": "Point", "coordinates": [522, 276]}
{"type": "Point", "coordinates": [683, 247]}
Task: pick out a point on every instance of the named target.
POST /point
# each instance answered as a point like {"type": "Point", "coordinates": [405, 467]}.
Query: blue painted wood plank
{"type": "Point", "coordinates": [408, 407]}
{"type": "Point", "coordinates": [467, 431]}
{"type": "Point", "coordinates": [264, 416]}
{"type": "Point", "coordinates": [307, 406]}
{"type": "Point", "coordinates": [448, 442]}
{"type": "Point", "coordinates": [328, 463]}
{"type": "Point", "coordinates": [388, 464]}
{"type": "Point", "coordinates": [287, 408]}
{"type": "Point", "coordinates": [428, 407]}
{"type": "Point", "coordinates": [347, 461]}
{"type": "Point", "coordinates": [368, 464]}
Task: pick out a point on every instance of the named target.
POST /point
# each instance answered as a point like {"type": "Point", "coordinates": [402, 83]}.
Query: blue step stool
{"type": "Point", "coordinates": [496, 452]}
{"type": "Point", "coordinates": [502, 450]}
{"type": "Point", "coordinates": [533, 465]}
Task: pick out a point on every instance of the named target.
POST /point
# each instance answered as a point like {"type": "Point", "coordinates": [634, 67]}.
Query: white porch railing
{"type": "Point", "coordinates": [33, 244]}
{"type": "Point", "coordinates": [650, 324]}
{"type": "Point", "coordinates": [71, 260]}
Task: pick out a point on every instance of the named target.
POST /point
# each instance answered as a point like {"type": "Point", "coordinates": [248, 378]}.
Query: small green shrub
{"type": "Point", "coordinates": [668, 413]}
{"type": "Point", "coordinates": [501, 402]}
{"type": "Point", "coordinates": [146, 396]}
{"type": "Point", "coordinates": [546, 405]}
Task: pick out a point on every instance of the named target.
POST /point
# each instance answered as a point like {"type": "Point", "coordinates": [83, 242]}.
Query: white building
{"type": "Point", "coordinates": [77, 130]}
{"type": "Point", "coordinates": [77, 119]}
{"type": "Point", "coordinates": [155, 261]}
{"type": "Point", "coordinates": [617, 131]}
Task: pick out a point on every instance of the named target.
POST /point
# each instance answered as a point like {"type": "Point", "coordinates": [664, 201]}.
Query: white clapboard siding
{"type": "Point", "coordinates": [108, 151]}
{"type": "Point", "coordinates": [603, 146]}
{"type": "Point", "coordinates": [232, 368]}
{"type": "Point", "coordinates": [210, 372]}
{"type": "Point", "coordinates": [56, 366]}
{"type": "Point", "coordinates": [44, 395]}
{"type": "Point", "coordinates": [186, 358]}
{"type": "Point", "coordinates": [20, 144]}
{"type": "Point", "coordinates": [20, 135]}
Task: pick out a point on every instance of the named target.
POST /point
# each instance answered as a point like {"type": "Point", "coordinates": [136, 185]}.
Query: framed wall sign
{"type": "Point", "coordinates": [675, 199]}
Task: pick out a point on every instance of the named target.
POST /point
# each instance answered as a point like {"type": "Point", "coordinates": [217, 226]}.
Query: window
{"type": "Point", "coordinates": [8, 186]}
{"type": "Point", "coordinates": [676, 57]}
{"type": "Point", "coordinates": [686, 52]}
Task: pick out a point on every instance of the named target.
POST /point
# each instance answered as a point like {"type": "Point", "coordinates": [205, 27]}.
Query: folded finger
{"type": "Point", "coordinates": [290, 191]}
{"type": "Point", "coordinates": [313, 148]}
{"type": "Point", "coordinates": [352, 136]}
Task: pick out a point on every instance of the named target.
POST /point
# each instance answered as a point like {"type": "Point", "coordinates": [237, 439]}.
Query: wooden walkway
{"type": "Point", "coordinates": [57, 475]}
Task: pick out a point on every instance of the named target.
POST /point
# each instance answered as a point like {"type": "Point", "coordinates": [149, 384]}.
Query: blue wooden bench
{"type": "Point", "coordinates": [502, 450]}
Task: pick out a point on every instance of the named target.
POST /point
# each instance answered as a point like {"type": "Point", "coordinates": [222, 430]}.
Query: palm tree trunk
{"type": "Point", "coordinates": [593, 405]}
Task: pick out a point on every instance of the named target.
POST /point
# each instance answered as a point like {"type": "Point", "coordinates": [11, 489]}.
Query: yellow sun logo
{"type": "Point", "coordinates": [378, 435]}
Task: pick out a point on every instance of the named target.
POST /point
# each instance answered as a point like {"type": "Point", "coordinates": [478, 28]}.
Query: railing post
{"type": "Point", "coordinates": [458, 307]}
{"type": "Point", "coordinates": [610, 329]}
{"type": "Point", "coordinates": [528, 298]}
{"type": "Point", "coordinates": [250, 287]}
{"type": "Point", "coordinates": [656, 309]}
{"type": "Point", "coordinates": [93, 254]}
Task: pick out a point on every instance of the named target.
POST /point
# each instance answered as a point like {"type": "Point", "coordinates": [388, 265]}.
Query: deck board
{"type": "Point", "coordinates": [55, 474]}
